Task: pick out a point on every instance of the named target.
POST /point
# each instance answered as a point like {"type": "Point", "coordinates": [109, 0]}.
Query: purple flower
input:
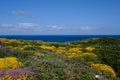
{"type": "Point", "coordinates": [18, 72]}
{"type": "Point", "coordinates": [1, 73]}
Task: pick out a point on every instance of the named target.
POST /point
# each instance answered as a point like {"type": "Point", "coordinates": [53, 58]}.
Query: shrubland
{"type": "Point", "coordinates": [76, 60]}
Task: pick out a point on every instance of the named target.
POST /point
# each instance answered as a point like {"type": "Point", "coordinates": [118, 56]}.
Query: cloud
{"type": "Point", "coordinates": [6, 25]}
{"type": "Point", "coordinates": [35, 28]}
{"type": "Point", "coordinates": [22, 13]}
{"type": "Point", "coordinates": [31, 27]}
{"type": "Point", "coordinates": [54, 27]}
{"type": "Point", "coordinates": [28, 25]}
{"type": "Point", "coordinates": [19, 12]}
{"type": "Point", "coordinates": [87, 28]}
{"type": "Point", "coordinates": [20, 26]}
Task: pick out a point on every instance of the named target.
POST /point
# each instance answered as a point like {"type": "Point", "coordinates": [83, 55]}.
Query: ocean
{"type": "Point", "coordinates": [56, 38]}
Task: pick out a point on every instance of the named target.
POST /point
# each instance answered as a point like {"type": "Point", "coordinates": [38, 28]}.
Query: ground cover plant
{"type": "Point", "coordinates": [76, 60]}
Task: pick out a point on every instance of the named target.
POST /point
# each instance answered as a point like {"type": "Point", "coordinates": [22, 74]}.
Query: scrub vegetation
{"type": "Point", "coordinates": [76, 60]}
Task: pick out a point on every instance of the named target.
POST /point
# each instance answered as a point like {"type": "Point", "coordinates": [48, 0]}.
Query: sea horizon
{"type": "Point", "coordinates": [56, 38]}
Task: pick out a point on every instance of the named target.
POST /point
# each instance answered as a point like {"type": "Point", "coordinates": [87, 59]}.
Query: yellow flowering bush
{"type": "Point", "coordinates": [3, 40]}
{"type": "Point", "coordinates": [6, 77]}
{"type": "Point", "coordinates": [10, 63]}
{"type": "Point", "coordinates": [14, 41]}
{"type": "Point", "coordinates": [27, 47]}
{"type": "Point", "coordinates": [50, 48]}
{"type": "Point", "coordinates": [10, 41]}
{"type": "Point", "coordinates": [71, 55]}
{"type": "Point", "coordinates": [75, 50]}
{"type": "Point", "coordinates": [89, 49]}
{"type": "Point", "coordinates": [60, 50]}
{"type": "Point", "coordinates": [88, 56]}
{"type": "Point", "coordinates": [105, 69]}
{"type": "Point", "coordinates": [92, 55]}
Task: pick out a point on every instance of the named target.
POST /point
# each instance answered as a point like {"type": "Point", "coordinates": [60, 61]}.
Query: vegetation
{"type": "Point", "coordinates": [77, 60]}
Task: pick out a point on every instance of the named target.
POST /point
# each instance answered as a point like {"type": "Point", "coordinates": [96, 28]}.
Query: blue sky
{"type": "Point", "coordinates": [59, 17]}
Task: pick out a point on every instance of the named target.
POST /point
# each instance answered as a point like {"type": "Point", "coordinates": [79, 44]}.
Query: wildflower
{"type": "Point", "coordinates": [75, 50]}
{"type": "Point", "coordinates": [16, 74]}
{"type": "Point", "coordinates": [107, 70]}
{"type": "Point", "coordinates": [1, 73]}
{"type": "Point", "coordinates": [10, 63]}
{"type": "Point", "coordinates": [50, 48]}
{"type": "Point", "coordinates": [92, 55]}
{"type": "Point", "coordinates": [60, 50]}
{"type": "Point", "coordinates": [89, 49]}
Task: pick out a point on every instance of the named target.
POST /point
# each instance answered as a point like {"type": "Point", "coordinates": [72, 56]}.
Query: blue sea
{"type": "Point", "coordinates": [56, 38]}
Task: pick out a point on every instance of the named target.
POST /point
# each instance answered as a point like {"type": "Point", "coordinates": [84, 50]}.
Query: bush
{"type": "Point", "coordinates": [105, 69]}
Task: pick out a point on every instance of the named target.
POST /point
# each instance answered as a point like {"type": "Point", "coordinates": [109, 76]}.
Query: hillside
{"type": "Point", "coordinates": [78, 60]}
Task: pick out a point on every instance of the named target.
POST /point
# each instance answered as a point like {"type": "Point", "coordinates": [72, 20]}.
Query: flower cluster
{"type": "Point", "coordinates": [17, 74]}
{"type": "Point", "coordinates": [10, 63]}
{"type": "Point", "coordinates": [89, 49]}
{"type": "Point", "coordinates": [71, 55]}
{"type": "Point", "coordinates": [105, 69]}
{"type": "Point", "coordinates": [26, 47]}
{"type": "Point", "coordinates": [3, 40]}
{"type": "Point", "coordinates": [75, 50]}
{"type": "Point", "coordinates": [60, 50]}
{"type": "Point", "coordinates": [50, 48]}
{"type": "Point", "coordinates": [92, 55]}
{"type": "Point", "coordinates": [14, 41]}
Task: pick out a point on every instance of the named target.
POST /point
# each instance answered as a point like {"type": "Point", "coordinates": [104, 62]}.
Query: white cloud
{"type": "Point", "coordinates": [28, 25]}
{"type": "Point", "coordinates": [21, 27]}
{"type": "Point", "coordinates": [54, 27]}
{"type": "Point", "coordinates": [23, 13]}
{"type": "Point", "coordinates": [87, 28]}
{"type": "Point", "coordinates": [36, 26]}
{"type": "Point", "coordinates": [19, 12]}
{"type": "Point", "coordinates": [6, 25]}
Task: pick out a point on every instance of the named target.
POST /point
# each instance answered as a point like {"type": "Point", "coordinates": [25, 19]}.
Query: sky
{"type": "Point", "coordinates": [59, 17]}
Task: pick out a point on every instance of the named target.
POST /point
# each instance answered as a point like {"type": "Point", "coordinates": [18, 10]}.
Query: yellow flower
{"type": "Point", "coordinates": [71, 55]}
{"type": "Point", "coordinates": [10, 63]}
{"type": "Point", "coordinates": [50, 48]}
{"type": "Point", "coordinates": [23, 77]}
{"type": "Point", "coordinates": [14, 41]}
{"type": "Point", "coordinates": [92, 55]}
{"type": "Point", "coordinates": [61, 50]}
{"type": "Point", "coordinates": [8, 77]}
{"type": "Point", "coordinates": [89, 49]}
{"type": "Point", "coordinates": [75, 50]}
{"type": "Point", "coordinates": [107, 70]}
{"type": "Point", "coordinates": [3, 40]}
